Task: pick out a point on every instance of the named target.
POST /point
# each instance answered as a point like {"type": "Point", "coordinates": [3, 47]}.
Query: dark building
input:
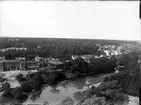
{"type": "Point", "coordinates": [7, 65]}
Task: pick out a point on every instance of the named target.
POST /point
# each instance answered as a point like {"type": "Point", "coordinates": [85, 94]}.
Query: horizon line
{"type": "Point", "coordinates": [68, 38]}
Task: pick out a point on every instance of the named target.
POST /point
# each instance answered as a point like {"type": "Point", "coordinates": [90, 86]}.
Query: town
{"type": "Point", "coordinates": [26, 69]}
{"type": "Point", "coordinates": [20, 63]}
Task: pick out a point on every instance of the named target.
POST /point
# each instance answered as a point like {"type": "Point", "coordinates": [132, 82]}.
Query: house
{"type": "Point", "coordinates": [86, 57]}
{"type": "Point", "coordinates": [114, 52]}
{"type": "Point", "coordinates": [116, 71]}
{"type": "Point", "coordinates": [107, 52]}
{"type": "Point", "coordinates": [74, 57]}
{"type": "Point", "coordinates": [102, 55]}
{"type": "Point", "coordinates": [50, 58]}
{"type": "Point", "coordinates": [54, 63]}
{"type": "Point", "coordinates": [14, 48]}
{"type": "Point", "coordinates": [8, 65]}
{"type": "Point", "coordinates": [119, 67]}
{"type": "Point", "coordinates": [29, 65]}
{"type": "Point", "coordinates": [20, 58]}
{"type": "Point", "coordinates": [37, 58]}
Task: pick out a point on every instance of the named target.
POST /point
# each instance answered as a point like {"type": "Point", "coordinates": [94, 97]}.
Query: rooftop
{"type": "Point", "coordinates": [55, 62]}
{"type": "Point", "coordinates": [9, 61]}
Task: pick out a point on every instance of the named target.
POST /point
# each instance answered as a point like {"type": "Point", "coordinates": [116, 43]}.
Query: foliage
{"type": "Point", "coordinates": [57, 48]}
{"type": "Point", "coordinates": [129, 79]}
{"type": "Point", "coordinates": [20, 77]}
{"type": "Point", "coordinates": [129, 83]}
{"type": "Point", "coordinates": [102, 65]}
{"type": "Point", "coordinates": [96, 66]}
{"type": "Point", "coordinates": [95, 101]}
{"type": "Point", "coordinates": [105, 93]}
{"type": "Point", "coordinates": [67, 101]}
{"type": "Point", "coordinates": [129, 61]}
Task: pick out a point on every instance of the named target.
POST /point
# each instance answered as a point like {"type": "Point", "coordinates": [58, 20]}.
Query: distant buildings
{"type": "Point", "coordinates": [20, 58]}
{"type": "Point", "coordinates": [116, 71]}
{"type": "Point", "coordinates": [86, 57]}
{"type": "Point", "coordinates": [111, 50]}
{"type": "Point", "coordinates": [54, 63]}
{"type": "Point", "coordinates": [29, 65]}
{"type": "Point", "coordinates": [13, 48]}
{"type": "Point", "coordinates": [20, 63]}
{"type": "Point", "coordinates": [73, 57]}
{"type": "Point", "coordinates": [38, 59]}
{"type": "Point", "coordinates": [107, 52]}
{"type": "Point", "coordinates": [8, 65]}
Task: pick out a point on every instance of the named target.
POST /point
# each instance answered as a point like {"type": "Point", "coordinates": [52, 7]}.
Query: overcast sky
{"type": "Point", "coordinates": [93, 20]}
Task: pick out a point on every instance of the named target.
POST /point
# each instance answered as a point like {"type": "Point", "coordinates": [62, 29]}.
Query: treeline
{"type": "Point", "coordinates": [129, 78]}
{"type": "Point", "coordinates": [116, 87]}
{"type": "Point", "coordinates": [106, 94]}
{"type": "Point", "coordinates": [96, 66]}
{"type": "Point", "coordinates": [57, 48]}
{"type": "Point", "coordinates": [6, 42]}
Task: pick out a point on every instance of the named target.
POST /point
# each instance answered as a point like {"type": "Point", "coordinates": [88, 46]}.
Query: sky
{"type": "Point", "coordinates": [91, 20]}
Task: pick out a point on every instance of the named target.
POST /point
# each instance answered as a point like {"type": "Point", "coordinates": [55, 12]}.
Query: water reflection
{"type": "Point", "coordinates": [36, 94]}
{"type": "Point", "coordinates": [58, 91]}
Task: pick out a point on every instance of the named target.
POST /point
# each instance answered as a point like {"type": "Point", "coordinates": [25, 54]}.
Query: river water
{"type": "Point", "coordinates": [54, 94]}
{"type": "Point", "coordinates": [57, 92]}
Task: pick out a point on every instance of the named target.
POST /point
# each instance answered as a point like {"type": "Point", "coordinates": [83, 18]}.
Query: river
{"type": "Point", "coordinates": [57, 92]}
{"type": "Point", "coordinates": [54, 94]}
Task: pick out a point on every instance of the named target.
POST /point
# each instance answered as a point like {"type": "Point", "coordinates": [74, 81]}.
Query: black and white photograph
{"type": "Point", "coordinates": [70, 52]}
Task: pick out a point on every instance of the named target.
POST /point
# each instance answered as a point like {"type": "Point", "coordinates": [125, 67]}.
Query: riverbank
{"type": "Point", "coordinates": [59, 91]}
{"type": "Point", "coordinates": [66, 89]}
{"type": "Point", "coordinates": [9, 74]}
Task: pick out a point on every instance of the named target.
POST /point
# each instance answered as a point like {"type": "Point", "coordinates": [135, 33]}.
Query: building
{"type": "Point", "coordinates": [2, 58]}
{"type": "Point", "coordinates": [107, 52]}
{"type": "Point", "coordinates": [14, 48]}
{"type": "Point", "coordinates": [38, 59]}
{"type": "Point", "coordinates": [54, 63]}
{"type": "Point", "coordinates": [8, 65]}
{"type": "Point", "coordinates": [102, 55]}
{"type": "Point", "coordinates": [88, 57]}
{"type": "Point", "coordinates": [74, 57]}
{"type": "Point", "coordinates": [20, 58]}
{"type": "Point", "coordinates": [29, 65]}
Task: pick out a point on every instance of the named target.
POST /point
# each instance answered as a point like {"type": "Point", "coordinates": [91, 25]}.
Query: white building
{"type": "Point", "coordinates": [107, 52]}
{"type": "Point", "coordinates": [74, 57]}
{"type": "Point", "coordinates": [37, 58]}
